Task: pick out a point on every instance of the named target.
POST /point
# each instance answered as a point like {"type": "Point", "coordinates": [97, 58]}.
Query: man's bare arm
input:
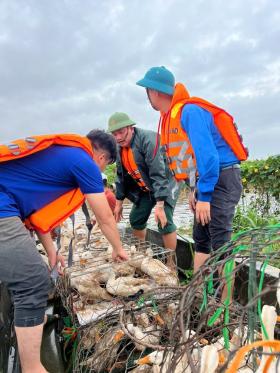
{"type": "Point", "coordinates": [50, 248]}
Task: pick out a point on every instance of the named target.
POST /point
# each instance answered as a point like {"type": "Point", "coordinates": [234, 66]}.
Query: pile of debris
{"type": "Point", "coordinates": [240, 333]}
{"type": "Point", "coordinates": [97, 293]}
{"type": "Point", "coordinates": [135, 316]}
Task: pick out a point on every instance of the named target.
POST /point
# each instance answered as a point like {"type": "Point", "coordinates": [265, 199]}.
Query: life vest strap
{"type": "Point", "coordinates": [132, 169]}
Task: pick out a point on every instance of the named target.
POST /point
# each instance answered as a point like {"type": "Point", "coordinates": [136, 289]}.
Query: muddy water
{"type": "Point", "coordinates": [183, 217]}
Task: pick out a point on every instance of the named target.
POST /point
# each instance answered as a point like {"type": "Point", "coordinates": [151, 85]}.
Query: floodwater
{"type": "Point", "coordinates": [183, 217]}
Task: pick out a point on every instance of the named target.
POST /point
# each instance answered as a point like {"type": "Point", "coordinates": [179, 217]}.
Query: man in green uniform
{"type": "Point", "coordinates": [144, 178]}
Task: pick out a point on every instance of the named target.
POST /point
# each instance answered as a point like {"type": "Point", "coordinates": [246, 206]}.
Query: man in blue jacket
{"type": "Point", "coordinates": [27, 185]}
{"type": "Point", "coordinates": [198, 152]}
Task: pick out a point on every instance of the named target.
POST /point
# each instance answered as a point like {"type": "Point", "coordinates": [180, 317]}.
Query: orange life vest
{"type": "Point", "coordinates": [131, 167]}
{"type": "Point", "coordinates": [53, 214]}
{"type": "Point", "coordinates": [181, 157]}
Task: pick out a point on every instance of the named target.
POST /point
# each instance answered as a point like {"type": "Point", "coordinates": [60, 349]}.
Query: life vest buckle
{"type": "Point", "coordinates": [13, 146]}
{"type": "Point", "coordinates": [30, 139]}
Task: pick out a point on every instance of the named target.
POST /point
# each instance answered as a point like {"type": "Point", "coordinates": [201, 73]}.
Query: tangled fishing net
{"type": "Point", "coordinates": [136, 317]}
{"type": "Point", "coordinates": [243, 322]}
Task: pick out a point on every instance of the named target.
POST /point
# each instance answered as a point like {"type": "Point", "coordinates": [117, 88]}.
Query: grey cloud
{"type": "Point", "coordinates": [68, 65]}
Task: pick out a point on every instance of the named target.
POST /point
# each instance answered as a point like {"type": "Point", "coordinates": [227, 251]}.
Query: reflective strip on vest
{"type": "Point", "coordinates": [190, 170]}
{"type": "Point", "coordinates": [174, 144]}
{"type": "Point", "coordinates": [180, 169]}
{"type": "Point", "coordinates": [182, 154]}
{"type": "Point", "coordinates": [192, 173]}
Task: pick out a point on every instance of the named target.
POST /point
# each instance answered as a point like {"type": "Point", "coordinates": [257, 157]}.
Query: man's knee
{"type": "Point", "coordinates": [137, 221]}
{"type": "Point", "coordinates": [138, 226]}
{"type": "Point", "coordinates": [202, 241]}
{"type": "Point", "coordinates": [220, 238]}
{"type": "Point", "coordinates": [202, 249]}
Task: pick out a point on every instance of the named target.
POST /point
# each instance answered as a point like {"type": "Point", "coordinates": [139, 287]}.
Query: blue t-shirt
{"type": "Point", "coordinates": [211, 151]}
{"type": "Point", "coordinates": [28, 184]}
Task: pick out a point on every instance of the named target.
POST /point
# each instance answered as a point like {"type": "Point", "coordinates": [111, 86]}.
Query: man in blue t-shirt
{"type": "Point", "coordinates": [26, 185]}
{"type": "Point", "coordinates": [217, 187]}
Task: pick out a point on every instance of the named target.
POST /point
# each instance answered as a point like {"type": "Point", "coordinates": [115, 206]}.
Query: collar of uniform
{"type": "Point", "coordinates": [133, 137]}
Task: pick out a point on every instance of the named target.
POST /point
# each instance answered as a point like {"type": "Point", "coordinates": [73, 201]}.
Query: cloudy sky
{"type": "Point", "coordinates": [66, 66]}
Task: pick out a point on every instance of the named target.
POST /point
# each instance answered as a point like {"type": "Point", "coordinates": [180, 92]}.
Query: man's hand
{"type": "Point", "coordinates": [105, 219]}
{"type": "Point", "coordinates": [119, 255]}
{"type": "Point", "coordinates": [202, 212]}
{"type": "Point", "coordinates": [118, 211]}
{"type": "Point", "coordinates": [192, 201]}
{"type": "Point", "coordinates": [160, 216]}
{"type": "Point", "coordinates": [50, 248]}
{"type": "Point", "coordinates": [58, 260]}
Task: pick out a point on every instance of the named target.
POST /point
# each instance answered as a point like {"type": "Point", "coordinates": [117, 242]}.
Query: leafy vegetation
{"type": "Point", "coordinates": [261, 178]}
{"type": "Point", "coordinates": [188, 276]}
{"type": "Point", "coordinates": [261, 200]}
{"type": "Point", "coordinates": [110, 172]}
{"type": "Point", "coordinates": [261, 182]}
{"type": "Point", "coordinates": [251, 218]}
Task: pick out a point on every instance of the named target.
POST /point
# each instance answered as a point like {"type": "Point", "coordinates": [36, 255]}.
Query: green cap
{"type": "Point", "coordinates": [118, 121]}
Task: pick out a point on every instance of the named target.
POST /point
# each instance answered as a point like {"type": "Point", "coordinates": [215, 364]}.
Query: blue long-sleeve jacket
{"type": "Point", "coordinates": [211, 151]}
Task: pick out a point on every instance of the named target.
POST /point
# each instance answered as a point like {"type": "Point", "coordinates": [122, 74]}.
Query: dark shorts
{"type": "Point", "coordinates": [225, 197]}
{"type": "Point", "coordinates": [141, 212]}
{"type": "Point", "coordinates": [24, 273]}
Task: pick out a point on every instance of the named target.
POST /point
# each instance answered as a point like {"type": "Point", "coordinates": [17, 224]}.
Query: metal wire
{"type": "Point", "coordinates": [177, 321]}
